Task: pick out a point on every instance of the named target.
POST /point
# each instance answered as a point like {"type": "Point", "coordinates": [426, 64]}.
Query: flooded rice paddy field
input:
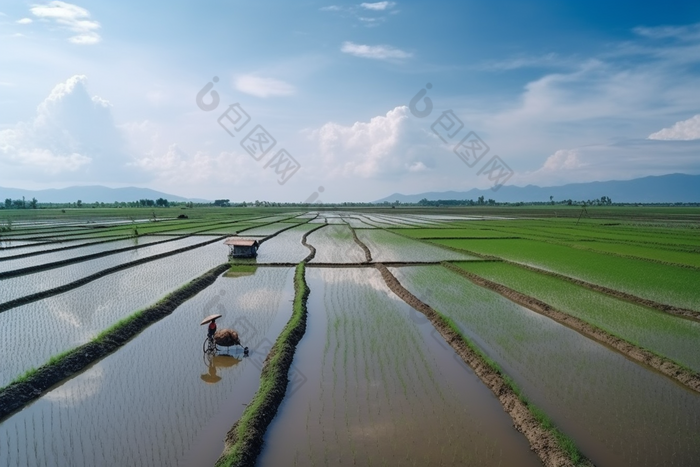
{"type": "Point", "coordinates": [285, 247]}
{"type": "Point", "coordinates": [41, 259]}
{"type": "Point", "coordinates": [381, 390]}
{"type": "Point", "coordinates": [652, 329]}
{"type": "Point", "coordinates": [335, 244]}
{"type": "Point", "coordinates": [17, 287]}
{"type": "Point", "coordinates": [619, 412]}
{"type": "Point", "coordinates": [61, 322]}
{"type": "Point", "coordinates": [158, 401]}
{"type": "Point", "coordinates": [388, 246]}
{"type": "Point", "coordinates": [372, 381]}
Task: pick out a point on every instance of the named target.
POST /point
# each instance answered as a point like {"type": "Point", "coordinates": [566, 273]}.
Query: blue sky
{"type": "Point", "coordinates": [104, 92]}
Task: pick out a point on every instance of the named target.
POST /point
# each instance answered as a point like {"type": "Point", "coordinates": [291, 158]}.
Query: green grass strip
{"type": "Point", "coordinates": [244, 440]}
{"type": "Point", "coordinates": [35, 382]}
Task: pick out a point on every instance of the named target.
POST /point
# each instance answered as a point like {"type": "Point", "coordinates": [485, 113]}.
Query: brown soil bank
{"type": "Point", "coordinates": [368, 254]}
{"type": "Point", "coordinates": [544, 442]}
{"type": "Point", "coordinates": [667, 367]}
{"type": "Point", "coordinates": [245, 439]}
{"type": "Point", "coordinates": [85, 280]}
{"type": "Point", "coordinates": [80, 259]}
{"type": "Point", "coordinates": [16, 395]}
{"type": "Point", "coordinates": [682, 312]}
{"type": "Point", "coordinates": [311, 248]}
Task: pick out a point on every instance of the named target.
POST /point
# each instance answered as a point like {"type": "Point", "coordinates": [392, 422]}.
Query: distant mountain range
{"type": "Point", "coordinates": [672, 188]}
{"type": "Point", "coordinates": [90, 194]}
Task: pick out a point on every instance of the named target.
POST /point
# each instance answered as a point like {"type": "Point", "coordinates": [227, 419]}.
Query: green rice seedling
{"type": "Point", "coordinates": [659, 332]}
{"type": "Point", "coordinates": [658, 282]}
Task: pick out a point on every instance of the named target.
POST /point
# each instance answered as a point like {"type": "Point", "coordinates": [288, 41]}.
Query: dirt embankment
{"type": "Point", "coordinates": [16, 395]}
{"type": "Point", "coordinates": [54, 250]}
{"type": "Point", "coordinates": [543, 442]}
{"type": "Point", "coordinates": [678, 311]}
{"type": "Point", "coordinates": [80, 259]}
{"type": "Point", "coordinates": [244, 441]}
{"type": "Point", "coordinates": [674, 310]}
{"type": "Point", "coordinates": [312, 249]}
{"type": "Point", "coordinates": [85, 280]}
{"type": "Point", "coordinates": [368, 254]}
{"type": "Point", "coordinates": [659, 363]}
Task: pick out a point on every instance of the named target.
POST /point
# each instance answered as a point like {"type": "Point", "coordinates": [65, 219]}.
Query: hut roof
{"type": "Point", "coordinates": [241, 242]}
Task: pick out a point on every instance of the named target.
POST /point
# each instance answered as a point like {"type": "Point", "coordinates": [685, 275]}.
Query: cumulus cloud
{"type": "Point", "coordinates": [684, 130]}
{"type": "Point", "coordinates": [376, 52]}
{"type": "Point", "coordinates": [387, 145]}
{"type": "Point", "coordinates": [73, 137]}
{"type": "Point", "coordinates": [72, 18]}
{"type": "Point", "coordinates": [24, 21]}
{"type": "Point", "coordinates": [263, 87]}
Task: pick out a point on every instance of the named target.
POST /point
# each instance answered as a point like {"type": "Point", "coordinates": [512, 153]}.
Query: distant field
{"type": "Point", "coordinates": [371, 381]}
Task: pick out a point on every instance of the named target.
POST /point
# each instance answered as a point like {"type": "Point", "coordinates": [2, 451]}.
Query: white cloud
{"type": "Point", "coordinates": [71, 17]}
{"type": "Point", "coordinates": [24, 21]}
{"type": "Point", "coordinates": [377, 52]}
{"type": "Point", "coordinates": [684, 130]}
{"type": "Point", "coordinates": [689, 32]}
{"type": "Point", "coordinates": [263, 87]}
{"type": "Point", "coordinates": [526, 61]}
{"type": "Point", "coordinates": [387, 145]}
{"type": "Point", "coordinates": [378, 6]}
{"type": "Point", "coordinates": [72, 137]}
{"type": "Point", "coordinates": [622, 161]}
{"type": "Point", "coordinates": [368, 14]}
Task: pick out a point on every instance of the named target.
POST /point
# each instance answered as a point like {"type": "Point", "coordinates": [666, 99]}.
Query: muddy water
{"type": "Point", "coordinates": [44, 328]}
{"type": "Point", "coordinates": [157, 401]}
{"type": "Point", "coordinates": [618, 412]}
{"type": "Point", "coordinates": [17, 287]}
{"type": "Point", "coordinates": [371, 385]}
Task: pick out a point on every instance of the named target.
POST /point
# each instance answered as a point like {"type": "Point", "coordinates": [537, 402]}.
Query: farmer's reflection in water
{"type": "Point", "coordinates": [215, 362]}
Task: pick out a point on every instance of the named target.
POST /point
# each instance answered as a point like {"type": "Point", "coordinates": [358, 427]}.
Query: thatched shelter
{"type": "Point", "coordinates": [242, 247]}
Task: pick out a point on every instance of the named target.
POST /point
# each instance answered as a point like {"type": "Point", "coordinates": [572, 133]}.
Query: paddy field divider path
{"type": "Point", "coordinates": [80, 259]}
{"type": "Point", "coordinates": [58, 369]}
{"type": "Point", "coordinates": [105, 272]}
{"type": "Point", "coordinates": [665, 366]}
{"type": "Point", "coordinates": [368, 254]}
{"type": "Point", "coordinates": [572, 244]}
{"type": "Point", "coordinates": [108, 239]}
{"type": "Point", "coordinates": [312, 249]}
{"type": "Point", "coordinates": [552, 446]}
{"type": "Point", "coordinates": [63, 248]}
{"type": "Point", "coordinates": [244, 441]}
{"type": "Point", "coordinates": [671, 309]}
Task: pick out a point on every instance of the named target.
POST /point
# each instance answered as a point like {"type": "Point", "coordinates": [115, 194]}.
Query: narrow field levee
{"type": "Point", "coordinates": [75, 317]}
{"type": "Point", "coordinates": [31, 387]}
{"type": "Point", "coordinates": [617, 411]}
{"type": "Point", "coordinates": [371, 385]}
{"type": "Point", "coordinates": [244, 440]}
{"type": "Point", "coordinates": [48, 289]}
{"type": "Point", "coordinates": [159, 400]}
{"type": "Point", "coordinates": [666, 343]}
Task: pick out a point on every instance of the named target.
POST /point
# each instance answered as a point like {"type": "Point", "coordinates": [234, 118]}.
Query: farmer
{"type": "Point", "coordinates": [212, 328]}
